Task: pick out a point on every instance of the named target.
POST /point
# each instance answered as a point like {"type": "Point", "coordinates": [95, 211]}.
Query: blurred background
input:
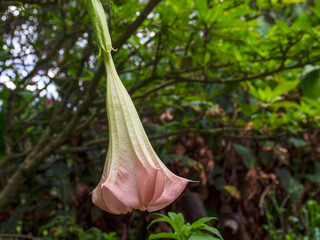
{"type": "Point", "coordinates": [228, 92]}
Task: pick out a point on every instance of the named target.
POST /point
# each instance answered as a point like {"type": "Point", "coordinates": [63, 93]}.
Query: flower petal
{"type": "Point", "coordinates": [107, 201]}
{"type": "Point", "coordinates": [115, 205]}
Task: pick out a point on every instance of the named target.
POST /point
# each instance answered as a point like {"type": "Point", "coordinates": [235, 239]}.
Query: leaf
{"type": "Point", "coordinates": [311, 84]}
{"type": "Point", "coordinates": [316, 9]}
{"type": "Point", "coordinates": [162, 235]}
{"type": "Point", "coordinates": [246, 154]}
{"type": "Point", "coordinates": [239, 12]}
{"type": "Point", "coordinates": [285, 104]}
{"type": "Point", "coordinates": [285, 87]}
{"type": "Point", "coordinates": [298, 142]}
{"type": "Point", "coordinates": [291, 184]}
{"type": "Point", "coordinates": [202, 8]}
{"type": "Point", "coordinates": [177, 219]}
{"type": "Point", "coordinates": [4, 97]}
{"type": "Point", "coordinates": [164, 218]}
{"type": "Point", "coordinates": [202, 236]}
{"type": "Point", "coordinates": [282, 25]}
{"type": "Point", "coordinates": [247, 109]}
{"type": "Point", "coordinates": [201, 221]}
{"type": "Point", "coordinates": [214, 13]}
{"type": "Point", "coordinates": [315, 175]}
{"type": "Point", "coordinates": [212, 230]}
{"type": "Point", "coordinates": [206, 57]}
{"type": "Point", "coordinates": [232, 190]}
{"type": "Point", "coordinates": [26, 95]}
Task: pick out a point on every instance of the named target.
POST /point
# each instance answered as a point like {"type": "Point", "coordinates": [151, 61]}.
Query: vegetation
{"type": "Point", "coordinates": [227, 92]}
{"type": "Point", "coordinates": [306, 225]}
{"type": "Point", "coordinates": [185, 231]}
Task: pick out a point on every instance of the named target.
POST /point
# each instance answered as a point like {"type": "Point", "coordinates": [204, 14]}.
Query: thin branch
{"type": "Point", "coordinates": [247, 78]}
{"type": "Point", "coordinates": [162, 85]}
{"type": "Point", "coordinates": [90, 145]}
{"type": "Point", "coordinates": [50, 55]}
{"type": "Point", "coordinates": [39, 2]}
{"type": "Point", "coordinates": [23, 236]}
{"type": "Point", "coordinates": [21, 108]}
{"type": "Point", "coordinates": [136, 24]}
{"type": "Point", "coordinates": [12, 156]}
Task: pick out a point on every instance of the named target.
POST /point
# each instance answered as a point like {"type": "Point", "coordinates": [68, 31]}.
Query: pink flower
{"type": "Point", "coordinates": [133, 177]}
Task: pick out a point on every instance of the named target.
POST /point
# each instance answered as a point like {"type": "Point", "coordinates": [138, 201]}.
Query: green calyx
{"type": "Point", "coordinates": [98, 17]}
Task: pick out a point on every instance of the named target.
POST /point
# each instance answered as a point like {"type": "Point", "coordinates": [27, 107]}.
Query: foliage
{"type": "Point", "coordinates": [64, 227]}
{"type": "Point", "coordinates": [303, 226]}
{"type": "Point", "coordinates": [184, 231]}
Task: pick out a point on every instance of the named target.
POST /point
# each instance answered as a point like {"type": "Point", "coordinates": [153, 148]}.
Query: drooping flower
{"type": "Point", "coordinates": [133, 177]}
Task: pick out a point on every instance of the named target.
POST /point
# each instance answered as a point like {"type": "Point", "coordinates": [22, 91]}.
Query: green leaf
{"type": "Point", "coordinates": [285, 104]}
{"type": "Point", "coordinates": [201, 221]}
{"type": "Point", "coordinates": [291, 184]}
{"type": "Point", "coordinates": [282, 25]}
{"type": "Point", "coordinates": [311, 84]}
{"type": "Point", "coordinates": [202, 236]}
{"type": "Point", "coordinates": [26, 95]}
{"type": "Point", "coordinates": [202, 8]}
{"type": "Point", "coordinates": [246, 154]}
{"type": "Point", "coordinates": [315, 175]}
{"type": "Point", "coordinates": [248, 110]}
{"type": "Point", "coordinates": [206, 57]}
{"type": "Point", "coordinates": [297, 142]}
{"type": "Point", "coordinates": [316, 9]}
{"type": "Point", "coordinates": [4, 97]}
{"type": "Point", "coordinates": [177, 219]}
{"type": "Point", "coordinates": [164, 218]}
{"type": "Point", "coordinates": [212, 230]}
{"type": "Point", "coordinates": [162, 235]}
{"type": "Point", "coordinates": [285, 87]}
{"type": "Point", "coordinates": [213, 14]}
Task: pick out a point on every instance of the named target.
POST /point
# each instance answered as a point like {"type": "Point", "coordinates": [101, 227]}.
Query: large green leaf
{"type": "Point", "coordinates": [202, 236]}
{"type": "Point", "coordinates": [285, 87]}
{"type": "Point", "coordinates": [311, 84]}
{"type": "Point", "coordinates": [163, 235]}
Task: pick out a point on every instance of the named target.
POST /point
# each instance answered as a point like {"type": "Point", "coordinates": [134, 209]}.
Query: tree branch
{"type": "Point", "coordinates": [39, 2]}
{"type": "Point", "coordinates": [12, 156]}
{"type": "Point", "coordinates": [136, 24]}
{"type": "Point", "coordinates": [249, 77]}
{"type": "Point", "coordinates": [22, 236]}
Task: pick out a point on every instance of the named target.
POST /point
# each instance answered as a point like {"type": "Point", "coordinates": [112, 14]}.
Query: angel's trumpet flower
{"type": "Point", "coordinates": [133, 177]}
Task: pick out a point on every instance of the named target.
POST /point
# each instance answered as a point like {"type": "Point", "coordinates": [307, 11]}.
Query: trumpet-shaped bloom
{"type": "Point", "coordinates": [133, 177]}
